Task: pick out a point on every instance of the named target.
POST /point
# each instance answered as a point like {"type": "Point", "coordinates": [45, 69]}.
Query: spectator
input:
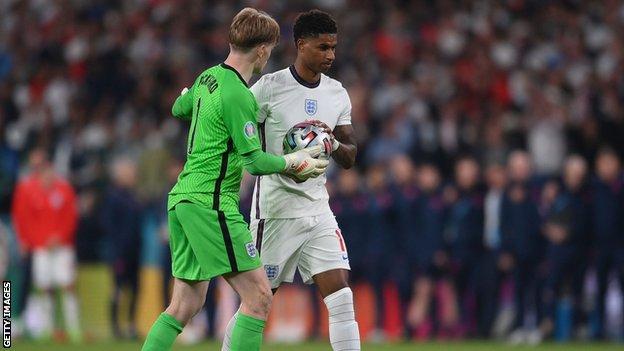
{"type": "Point", "coordinates": [565, 229]}
{"type": "Point", "coordinates": [430, 258]}
{"type": "Point", "coordinates": [465, 234]}
{"type": "Point", "coordinates": [379, 253]}
{"type": "Point", "coordinates": [608, 241]}
{"type": "Point", "coordinates": [491, 272]}
{"type": "Point", "coordinates": [351, 206]}
{"type": "Point", "coordinates": [45, 218]}
{"type": "Point", "coordinates": [121, 220]}
{"type": "Point", "coordinates": [520, 244]}
{"type": "Point", "coordinates": [405, 193]}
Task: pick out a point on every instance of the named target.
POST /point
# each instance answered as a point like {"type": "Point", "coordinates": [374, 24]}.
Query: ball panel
{"type": "Point", "coordinates": [306, 134]}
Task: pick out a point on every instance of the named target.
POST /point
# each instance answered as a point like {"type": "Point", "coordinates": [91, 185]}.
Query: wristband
{"type": "Point", "coordinates": [335, 145]}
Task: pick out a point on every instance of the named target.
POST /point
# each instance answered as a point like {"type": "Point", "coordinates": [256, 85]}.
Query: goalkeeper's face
{"type": "Point", "coordinates": [263, 53]}
{"type": "Point", "coordinates": [318, 53]}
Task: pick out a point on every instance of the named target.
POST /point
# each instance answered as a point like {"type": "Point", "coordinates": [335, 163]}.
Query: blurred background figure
{"type": "Point", "coordinates": [491, 275]}
{"type": "Point", "coordinates": [379, 255]}
{"type": "Point", "coordinates": [429, 259]}
{"type": "Point", "coordinates": [566, 228]}
{"type": "Point", "coordinates": [45, 218]}
{"type": "Point", "coordinates": [607, 226]}
{"type": "Point", "coordinates": [121, 220]}
{"type": "Point", "coordinates": [465, 235]}
{"type": "Point", "coordinates": [520, 245]}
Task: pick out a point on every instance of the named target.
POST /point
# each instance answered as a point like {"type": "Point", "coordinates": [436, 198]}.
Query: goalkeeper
{"type": "Point", "coordinates": [208, 235]}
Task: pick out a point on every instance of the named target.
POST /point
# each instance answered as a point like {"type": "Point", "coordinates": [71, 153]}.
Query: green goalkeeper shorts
{"type": "Point", "coordinates": [206, 243]}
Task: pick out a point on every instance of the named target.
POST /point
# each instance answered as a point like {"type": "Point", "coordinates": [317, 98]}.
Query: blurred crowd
{"type": "Point", "coordinates": [445, 94]}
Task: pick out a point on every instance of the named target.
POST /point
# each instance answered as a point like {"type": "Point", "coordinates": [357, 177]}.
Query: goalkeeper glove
{"type": "Point", "coordinates": [303, 165]}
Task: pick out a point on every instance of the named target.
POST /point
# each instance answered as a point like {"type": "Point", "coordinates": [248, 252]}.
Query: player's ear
{"type": "Point", "coordinates": [300, 43]}
{"type": "Point", "coordinates": [261, 51]}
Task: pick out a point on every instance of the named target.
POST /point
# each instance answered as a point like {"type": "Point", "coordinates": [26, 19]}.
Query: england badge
{"type": "Point", "coordinates": [310, 107]}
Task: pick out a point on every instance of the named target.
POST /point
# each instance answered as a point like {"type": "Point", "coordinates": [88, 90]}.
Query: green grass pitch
{"type": "Point", "coordinates": [451, 346]}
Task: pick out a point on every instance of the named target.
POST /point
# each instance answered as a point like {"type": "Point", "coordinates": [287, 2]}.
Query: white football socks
{"type": "Point", "coordinates": [228, 333]}
{"type": "Point", "coordinates": [343, 329]}
{"type": "Point", "coordinates": [71, 315]}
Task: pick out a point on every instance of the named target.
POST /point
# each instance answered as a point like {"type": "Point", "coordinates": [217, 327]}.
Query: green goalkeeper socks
{"type": "Point", "coordinates": [163, 333]}
{"type": "Point", "coordinates": [247, 333]}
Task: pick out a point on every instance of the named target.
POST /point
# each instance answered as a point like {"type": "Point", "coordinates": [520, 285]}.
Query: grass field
{"type": "Point", "coordinates": [460, 346]}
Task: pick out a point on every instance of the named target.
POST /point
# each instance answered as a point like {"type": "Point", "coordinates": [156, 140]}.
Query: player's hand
{"type": "Point", "coordinates": [303, 165]}
{"type": "Point", "coordinates": [335, 143]}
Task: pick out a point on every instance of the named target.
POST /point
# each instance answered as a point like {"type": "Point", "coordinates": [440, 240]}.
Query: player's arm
{"type": "Point", "coordinates": [239, 115]}
{"type": "Point", "coordinates": [344, 147]}
{"type": "Point", "coordinates": [183, 106]}
{"type": "Point", "coordinates": [344, 144]}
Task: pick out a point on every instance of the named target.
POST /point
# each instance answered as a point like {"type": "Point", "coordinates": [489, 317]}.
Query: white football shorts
{"type": "Point", "coordinates": [312, 244]}
{"type": "Point", "coordinates": [54, 268]}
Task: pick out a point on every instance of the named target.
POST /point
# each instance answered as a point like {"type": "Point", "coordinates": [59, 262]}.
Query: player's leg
{"type": "Point", "coordinates": [189, 290]}
{"type": "Point", "coordinates": [278, 242]}
{"type": "Point", "coordinates": [187, 300]}
{"type": "Point", "coordinates": [65, 258]}
{"type": "Point", "coordinates": [418, 311]}
{"type": "Point", "coordinates": [256, 296]}
{"type": "Point", "coordinates": [324, 260]}
{"type": "Point", "coordinates": [343, 329]}
{"type": "Point", "coordinates": [42, 300]}
{"type": "Point", "coordinates": [603, 265]}
{"type": "Point", "coordinates": [133, 280]}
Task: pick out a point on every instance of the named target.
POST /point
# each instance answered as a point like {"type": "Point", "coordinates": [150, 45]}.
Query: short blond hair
{"type": "Point", "coordinates": [251, 28]}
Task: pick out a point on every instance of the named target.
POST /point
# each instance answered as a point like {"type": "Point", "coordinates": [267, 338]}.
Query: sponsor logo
{"type": "Point", "coordinates": [272, 270]}
{"type": "Point", "coordinates": [345, 257]}
{"type": "Point", "coordinates": [251, 249]}
{"type": "Point", "coordinates": [302, 166]}
{"type": "Point", "coordinates": [249, 130]}
{"type": "Point", "coordinates": [310, 107]}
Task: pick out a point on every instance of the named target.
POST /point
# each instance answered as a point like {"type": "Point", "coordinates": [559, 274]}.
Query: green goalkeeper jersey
{"type": "Point", "coordinates": [222, 111]}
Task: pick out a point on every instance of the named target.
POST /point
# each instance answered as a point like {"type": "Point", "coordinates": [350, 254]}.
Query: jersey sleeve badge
{"type": "Point", "coordinates": [249, 129]}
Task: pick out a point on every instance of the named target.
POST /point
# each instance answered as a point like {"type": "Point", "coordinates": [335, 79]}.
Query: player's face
{"type": "Point", "coordinates": [264, 53]}
{"type": "Point", "coordinates": [318, 53]}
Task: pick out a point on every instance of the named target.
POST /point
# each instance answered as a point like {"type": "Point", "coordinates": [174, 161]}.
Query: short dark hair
{"type": "Point", "coordinates": [314, 23]}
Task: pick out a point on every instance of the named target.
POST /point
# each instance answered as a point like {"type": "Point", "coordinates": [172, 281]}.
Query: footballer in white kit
{"type": "Point", "coordinates": [292, 222]}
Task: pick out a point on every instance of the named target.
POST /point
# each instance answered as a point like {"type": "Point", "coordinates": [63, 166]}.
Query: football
{"type": "Point", "coordinates": [306, 134]}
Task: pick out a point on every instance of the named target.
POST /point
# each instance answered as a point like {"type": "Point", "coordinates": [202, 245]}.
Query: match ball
{"type": "Point", "coordinates": [306, 134]}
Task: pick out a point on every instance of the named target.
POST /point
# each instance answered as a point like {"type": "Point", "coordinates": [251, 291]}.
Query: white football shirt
{"type": "Point", "coordinates": [284, 99]}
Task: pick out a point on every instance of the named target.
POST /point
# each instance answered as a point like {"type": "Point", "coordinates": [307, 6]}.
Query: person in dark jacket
{"type": "Point", "coordinates": [351, 206]}
{"type": "Point", "coordinates": [465, 236]}
{"type": "Point", "coordinates": [405, 193]}
{"type": "Point", "coordinates": [520, 244]}
{"type": "Point", "coordinates": [121, 220]}
{"type": "Point", "coordinates": [490, 273]}
{"type": "Point", "coordinates": [565, 229]}
{"type": "Point", "coordinates": [607, 226]}
{"type": "Point", "coordinates": [379, 248]}
{"type": "Point", "coordinates": [428, 253]}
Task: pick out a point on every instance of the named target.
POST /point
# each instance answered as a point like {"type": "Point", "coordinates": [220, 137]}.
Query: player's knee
{"type": "Point", "coordinates": [260, 303]}
{"type": "Point", "coordinates": [265, 298]}
{"type": "Point", "coordinates": [184, 310]}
